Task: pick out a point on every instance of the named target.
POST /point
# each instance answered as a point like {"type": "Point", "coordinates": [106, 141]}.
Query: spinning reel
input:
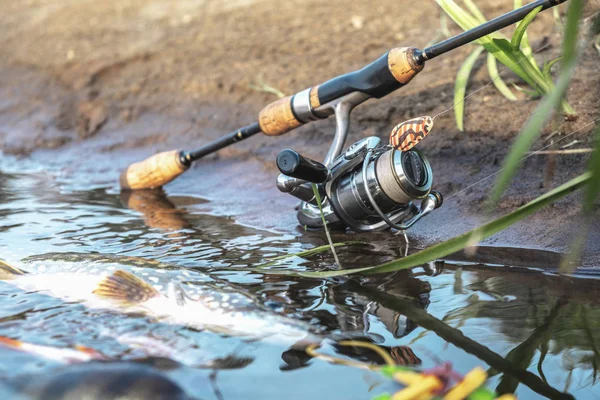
{"type": "Point", "coordinates": [371, 186]}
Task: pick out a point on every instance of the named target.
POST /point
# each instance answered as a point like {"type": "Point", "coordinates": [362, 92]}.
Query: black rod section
{"type": "Point", "coordinates": [243, 133]}
{"type": "Point", "coordinates": [485, 29]}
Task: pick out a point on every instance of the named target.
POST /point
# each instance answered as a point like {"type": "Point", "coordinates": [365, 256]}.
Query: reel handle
{"type": "Point", "coordinates": [292, 164]}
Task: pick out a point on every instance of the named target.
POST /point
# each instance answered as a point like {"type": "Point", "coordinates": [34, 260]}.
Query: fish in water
{"type": "Point", "coordinates": [216, 310]}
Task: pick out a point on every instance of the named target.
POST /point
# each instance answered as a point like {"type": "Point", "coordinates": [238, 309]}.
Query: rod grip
{"type": "Point", "coordinates": [278, 118]}
{"type": "Point", "coordinates": [403, 65]}
{"type": "Point", "coordinates": [153, 172]}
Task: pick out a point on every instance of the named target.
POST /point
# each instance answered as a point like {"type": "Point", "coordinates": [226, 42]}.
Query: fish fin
{"type": "Point", "coordinates": [8, 271]}
{"type": "Point", "coordinates": [8, 342]}
{"type": "Point", "coordinates": [125, 287]}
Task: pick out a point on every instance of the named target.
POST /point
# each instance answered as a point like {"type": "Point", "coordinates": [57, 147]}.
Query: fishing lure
{"type": "Point", "coordinates": [407, 134]}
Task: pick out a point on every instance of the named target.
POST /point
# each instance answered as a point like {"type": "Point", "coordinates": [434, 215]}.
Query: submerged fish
{"type": "Point", "coordinates": [217, 310]}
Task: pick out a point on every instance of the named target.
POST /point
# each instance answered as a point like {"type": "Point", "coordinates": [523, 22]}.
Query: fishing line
{"type": "Point", "coordinates": [490, 82]}
{"type": "Point", "coordinates": [526, 157]}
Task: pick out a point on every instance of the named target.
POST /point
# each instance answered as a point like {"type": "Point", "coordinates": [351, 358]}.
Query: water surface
{"type": "Point", "coordinates": [537, 333]}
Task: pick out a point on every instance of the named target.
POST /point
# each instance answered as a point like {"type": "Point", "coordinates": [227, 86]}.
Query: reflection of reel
{"type": "Point", "coordinates": [359, 314]}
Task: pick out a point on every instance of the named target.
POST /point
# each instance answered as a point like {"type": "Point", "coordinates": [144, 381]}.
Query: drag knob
{"type": "Point", "coordinates": [292, 164]}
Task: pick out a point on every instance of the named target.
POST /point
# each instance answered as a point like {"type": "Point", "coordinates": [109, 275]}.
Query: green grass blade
{"type": "Point", "coordinates": [588, 206]}
{"type": "Point", "coordinates": [593, 190]}
{"type": "Point", "coordinates": [574, 15]}
{"type": "Point", "coordinates": [459, 242]}
{"type": "Point", "coordinates": [492, 67]}
{"type": "Point", "coordinates": [318, 198]}
{"type": "Point", "coordinates": [548, 66]}
{"type": "Point", "coordinates": [530, 93]}
{"type": "Point", "coordinates": [519, 33]}
{"type": "Point", "coordinates": [475, 11]}
{"type": "Point", "coordinates": [460, 86]}
{"type": "Point", "coordinates": [525, 45]}
{"type": "Point", "coordinates": [536, 122]}
{"type": "Point", "coordinates": [310, 252]}
{"type": "Point", "coordinates": [461, 17]}
{"type": "Point", "coordinates": [528, 135]}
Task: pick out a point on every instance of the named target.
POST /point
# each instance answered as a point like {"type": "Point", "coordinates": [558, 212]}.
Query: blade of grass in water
{"type": "Point", "coordinates": [536, 122]}
{"type": "Point", "coordinates": [460, 86]}
{"type": "Point", "coordinates": [457, 243]}
{"type": "Point", "coordinates": [318, 198]}
{"type": "Point", "coordinates": [310, 252]}
{"type": "Point", "coordinates": [492, 66]}
{"type": "Point", "coordinates": [320, 249]}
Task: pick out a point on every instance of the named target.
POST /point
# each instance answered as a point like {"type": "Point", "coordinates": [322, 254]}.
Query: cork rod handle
{"type": "Point", "coordinates": [153, 172]}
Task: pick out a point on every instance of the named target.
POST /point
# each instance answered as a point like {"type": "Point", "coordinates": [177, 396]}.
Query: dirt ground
{"type": "Point", "coordinates": [90, 87]}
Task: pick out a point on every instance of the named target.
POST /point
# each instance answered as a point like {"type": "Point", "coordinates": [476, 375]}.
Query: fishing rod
{"type": "Point", "coordinates": [370, 186]}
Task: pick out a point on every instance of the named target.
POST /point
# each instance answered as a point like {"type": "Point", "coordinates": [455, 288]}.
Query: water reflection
{"type": "Point", "coordinates": [537, 333]}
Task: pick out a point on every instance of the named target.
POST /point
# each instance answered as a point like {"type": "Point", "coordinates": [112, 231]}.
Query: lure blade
{"type": "Point", "coordinates": [407, 134]}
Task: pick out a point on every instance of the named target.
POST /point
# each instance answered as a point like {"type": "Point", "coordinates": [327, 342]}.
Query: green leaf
{"type": "Point", "coordinates": [531, 93]}
{"type": "Point", "coordinates": [310, 252]}
{"type": "Point", "coordinates": [471, 6]}
{"type": "Point", "coordinates": [528, 135]}
{"type": "Point", "coordinates": [505, 46]}
{"type": "Point", "coordinates": [571, 28]}
{"type": "Point", "coordinates": [460, 86]}
{"type": "Point", "coordinates": [318, 198]}
{"type": "Point", "coordinates": [492, 67]}
{"type": "Point", "coordinates": [520, 31]}
{"type": "Point", "coordinates": [458, 15]}
{"type": "Point", "coordinates": [457, 243]}
{"type": "Point", "coordinates": [593, 189]}
{"type": "Point", "coordinates": [588, 207]}
{"type": "Point", "coordinates": [536, 122]}
{"type": "Point", "coordinates": [548, 66]}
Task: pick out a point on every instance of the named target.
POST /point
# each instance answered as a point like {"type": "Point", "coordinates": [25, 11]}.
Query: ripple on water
{"type": "Point", "coordinates": [529, 319]}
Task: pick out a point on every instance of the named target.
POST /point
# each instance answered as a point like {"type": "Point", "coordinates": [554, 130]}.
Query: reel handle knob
{"type": "Point", "coordinates": [439, 199]}
{"type": "Point", "coordinates": [291, 163]}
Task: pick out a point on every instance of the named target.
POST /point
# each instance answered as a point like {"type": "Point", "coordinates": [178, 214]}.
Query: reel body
{"type": "Point", "coordinates": [371, 186]}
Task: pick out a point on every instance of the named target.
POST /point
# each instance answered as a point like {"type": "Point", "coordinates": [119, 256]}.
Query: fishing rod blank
{"type": "Point", "coordinates": [388, 73]}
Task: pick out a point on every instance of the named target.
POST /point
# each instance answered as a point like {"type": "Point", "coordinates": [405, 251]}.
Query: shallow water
{"type": "Point", "coordinates": [539, 333]}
